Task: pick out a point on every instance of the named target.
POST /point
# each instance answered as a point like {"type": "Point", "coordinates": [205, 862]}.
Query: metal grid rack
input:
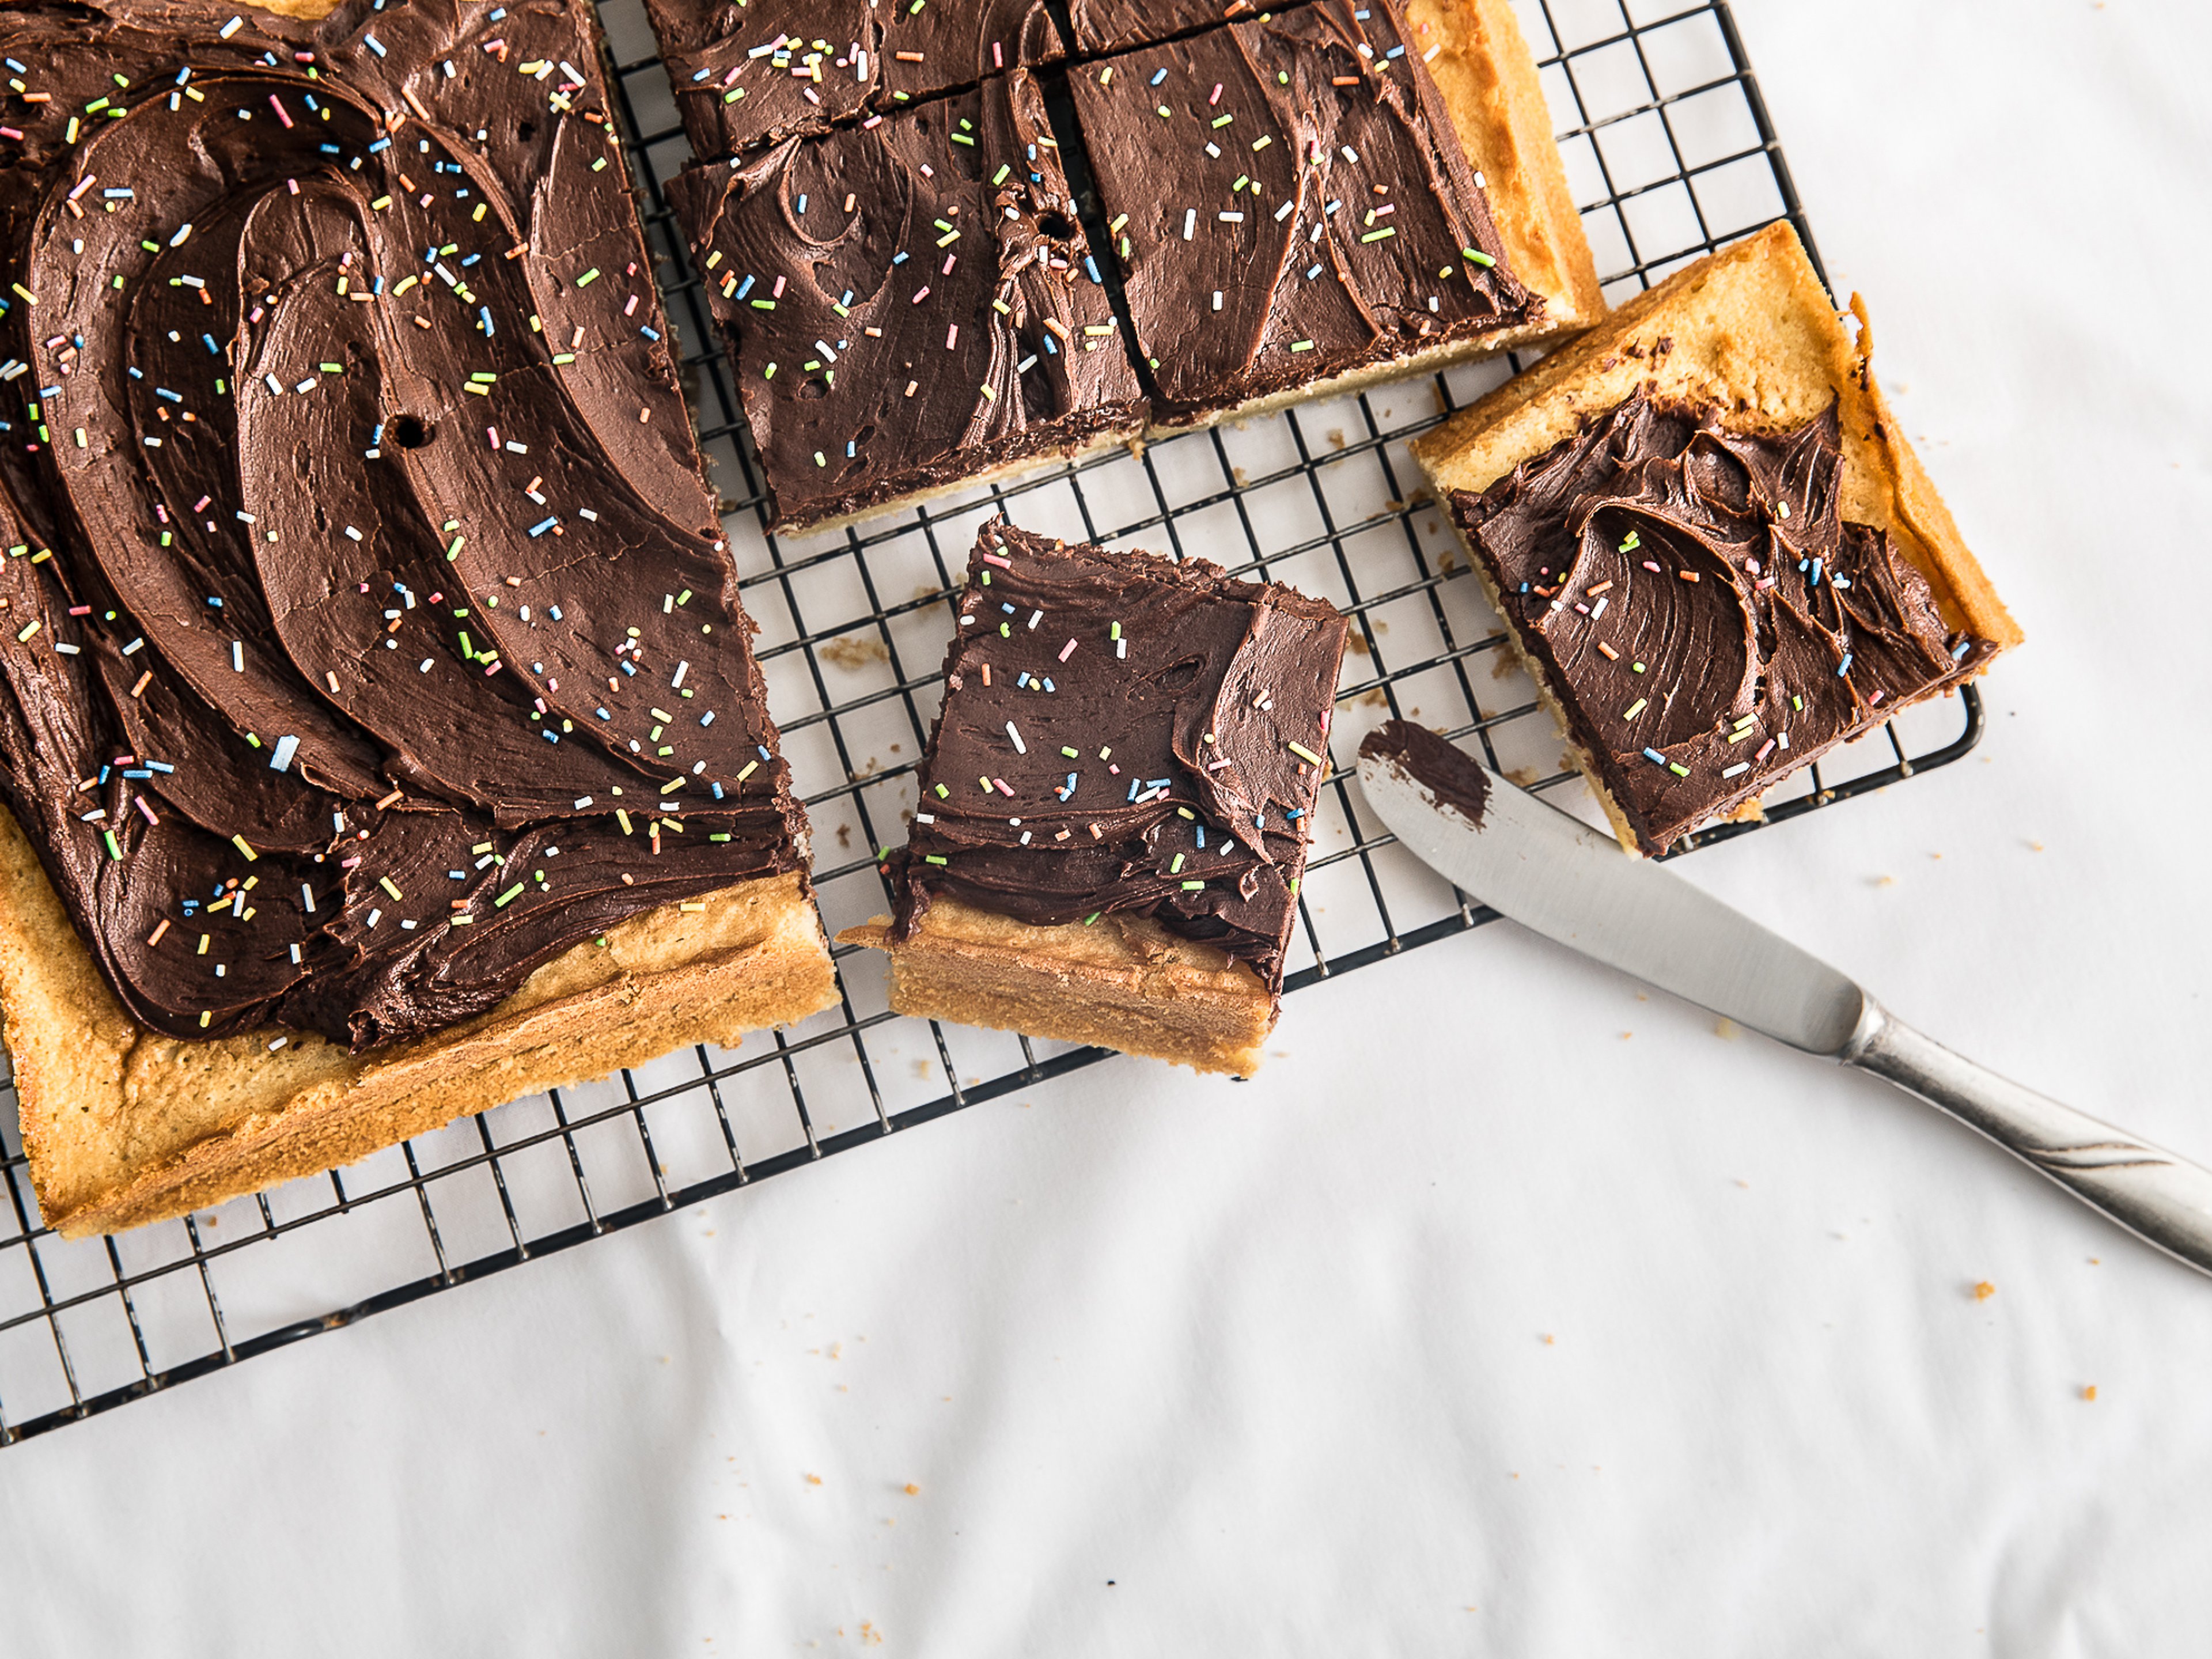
{"type": "Point", "coordinates": [1668, 143]}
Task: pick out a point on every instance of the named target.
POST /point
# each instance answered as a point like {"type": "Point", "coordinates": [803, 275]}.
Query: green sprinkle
{"type": "Point", "coordinates": [999, 177]}
{"type": "Point", "coordinates": [1175, 868]}
{"type": "Point", "coordinates": [1678, 768]}
{"type": "Point", "coordinates": [931, 858]}
{"type": "Point", "coordinates": [1093, 917]}
{"type": "Point", "coordinates": [1636, 667]}
{"type": "Point", "coordinates": [943, 794]}
{"type": "Point", "coordinates": [1222, 120]}
{"type": "Point", "coordinates": [508, 897]}
{"type": "Point", "coordinates": [1479, 257]}
{"type": "Point", "coordinates": [1302, 345]}
{"type": "Point", "coordinates": [113, 851]}
{"type": "Point", "coordinates": [1377, 235]}
{"type": "Point", "coordinates": [588, 277]}
{"type": "Point", "coordinates": [1192, 886]}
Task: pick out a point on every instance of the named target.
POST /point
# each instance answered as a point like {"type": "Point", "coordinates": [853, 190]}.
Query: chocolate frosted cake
{"type": "Point", "coordinates": [909, 305]}
{"type": "Point", "coordinates": [752, 72]}
{"type": "Point", "coordinates": [1115, 795]}
{"type": "Point", "coordinates": [1715, 552]}
{"type": "Point", "coordinates": [1292, 210]}
{"type": "Point", "coordinates": [371, 643]}
{"type": "Point", "coordinates": [1710, 617]}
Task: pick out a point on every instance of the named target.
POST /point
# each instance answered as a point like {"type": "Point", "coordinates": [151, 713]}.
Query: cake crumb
{"type": "Point", "coordinates": [1984, 1290]}
{"type": "Point", "coordinates": [913, 1491]}
{"type": "Point", "coordinates": [1726, 1029]}
{"type": "Point", "coordinates": [2089, 1391]}
{"type": "Point", "coordinates": [813, 1480]}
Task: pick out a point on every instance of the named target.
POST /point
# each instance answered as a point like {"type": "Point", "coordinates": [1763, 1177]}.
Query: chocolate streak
{"type": "Point", "coordinates": [1290, 203]}
{"type": "Point", "coordinates": [1116, 739]}
{"type": "Point", "coordinates": [364, 584]}
{"type": "Point", "coordinates": [1454, 778]}
{"type": "Point", "coordinates": [909, 304]}
{"type": "Point", "coordinates": [1708, 619]}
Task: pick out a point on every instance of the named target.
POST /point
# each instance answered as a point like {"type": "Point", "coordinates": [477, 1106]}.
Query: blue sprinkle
{"type": "Point", "coordinates": [137, 772]}
{"type": "Point", "coordinates": [1960, 650]}
{"type": "Point", "coordinates": [717, 791]}
{"type": "Point", "coordinates": [1816, 572]}
{"type": "Point", "coordinates": [630, 669]}
{"type": "Point", "coordinates": [1844, 667]}
{"type": "Point", "coordinates": [802, 201]}
{"type": "Point", "coordinates": [1091, 265]}
{"type": "Point", "coordinates": [744, 288]}
{"type": "Point", "coordinates": [381, 143]}
{"type": "Point", "coordinates": [1070, 783]}
{"type": "Point", "coordinates": [471, 260]}
{"type": "Point", "coordinates": [851, 448]}
{"type": "Point", "coordinates": [1049, 347]}
{"type": "Point", "coordinates": [603, 714]}
{"type": "Point", "coordinates": [541, 527]}
{"type": "Point", "coordinates": [649, 333]}
{"type": "Point", "coordinates": [1396, 51]}
{"type": "Point", "coordinates": [1132, 788]}
{"type": "Point", "coordinates": [161, 766]}
{"type": "Point", "coordinates": [331, 149]}
{"type": "Point", "coordinates": [1201, 837]}
{"type": "Point", "coordinates": [136, 372]}
{"type": "Point", "coordinates": [550, 736]}
{"type": "Point", "coordinates": [762, 747]}
{"type": "Point", "coordinates": [1159, 77]}
{"type": "Point", "coordinates": [214, 350]}
{"type": "Point", "coordinates": [1654, 757]}
{"type": "Point", "coordinates": [485, 311]}
{"type": "Point", "coordinates": [899, 259]}
{"type": "Point", "coordinates": [375, 44]}
{"type": "Point", "coordinates": [164, 391]}
{"type": "Point", "coordinates": [1047, 684]}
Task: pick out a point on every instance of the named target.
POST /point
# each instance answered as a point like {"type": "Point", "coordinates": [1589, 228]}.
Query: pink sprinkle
{"type": "Point", "coordinates": [776, 293]}
{"type": "Point", "coordinates": [82, 185]}
{"type": "Point", "coordinates": [950, 260]}
{"type": "Point", "coordinates": [494, 669]}
{"type": "Point", "coordinates": [1004, 789]}
{"type": "Point", "coordinates": [492, 434]}
{"type": "Point", "coordinates": [1067, 651]}
{"type": "Point", "coordinates": [872, 121]}
{"type": "Point", "coordinates": [1217, 95]}
{"type": "Point", "coordinates": [200, 506]}
{"type": "Point", "coordinates": [292, 185]}
{"type": "Point", "coordinates": [1215, 766]}
{"type": "Point", "coordinates": [1765, 750]}
{"type": "Point", "coordinates": [1003, 564]}
{"type": "Point", "coordinates": [921, 294]}
{"type": "Point", "coordinates": [282, 113]}
{"type": "Point", "coordinates": [10, 132]}
{"type": "Point", "coordinates": [1325, 714]}
{"type": "Point", "coordinates": [1649, 565]}
{"type": "Point", "coordinates": [630, 310]}
{"type": "Point", "coordinates": [139, 801]}
{"type": "Point", "coordinates": [80, 610]}
{"type": "Point", "coordinates": [950, 335]}
{"type": "Point", "coordinates": [998, 56]}
{"type": "Point", "coordinates": [1874, 699]}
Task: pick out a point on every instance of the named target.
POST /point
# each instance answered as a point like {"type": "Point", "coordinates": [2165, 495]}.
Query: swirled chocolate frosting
{"type": "Point", "coordinates": [1289, 201]}
{"type": "Point", "coordinates": [370, 636]}
{"type": "Point", "coordinates": [909, 303]}
{"type": "Point", "coordinates": [753, 72]}
{"type": "Point", "coordinates": [1121, 733]}
{"type": "Point", "coordinates": [1707, 619]}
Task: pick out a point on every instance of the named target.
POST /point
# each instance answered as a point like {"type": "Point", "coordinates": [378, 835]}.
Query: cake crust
{"type": "Point", "coordinates": [1126, 983]}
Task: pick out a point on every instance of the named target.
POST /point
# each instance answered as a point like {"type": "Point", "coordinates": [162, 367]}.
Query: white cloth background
{"type": "Point", "coordinates": [1604, 1343]}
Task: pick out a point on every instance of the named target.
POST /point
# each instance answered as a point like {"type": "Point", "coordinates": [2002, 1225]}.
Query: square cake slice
{"type": "Point", "coordinates": [380, 739]}
{"type": "Point", "coordinates": [1715, 551]}
{"type": "Point", "coordinates": [1113, 806]}
{"type": "Point", "coordinates": [909, 305]}
{"type": "Point", "coordinates": [1299, 207]}
{"type": "Point", "coordinates": [754, 72]}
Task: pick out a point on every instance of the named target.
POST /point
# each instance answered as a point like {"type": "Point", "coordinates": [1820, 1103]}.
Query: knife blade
{"type": "Point", "coordinates": [1556, 876]}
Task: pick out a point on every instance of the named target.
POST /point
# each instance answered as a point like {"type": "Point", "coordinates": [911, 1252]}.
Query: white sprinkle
{"type": "Point", "coordinates": [1020, 748]}
{"type": "Point", "coordinates": [280, 758]}
{"type": "Point", "coordinates": [682, 668]}
{"type": "Point", "coordinates": [308, 898]}
{"type": "Point", "coordinates": [1190, 223]}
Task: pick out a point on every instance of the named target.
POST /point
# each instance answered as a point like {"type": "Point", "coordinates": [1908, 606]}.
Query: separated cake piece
{"type": "Point", "coordinates": [1113, 808]}
{"type": "Point", "coordinates": [377, 718]}
{"type": "Point", "coordinates": [754, 72]}
{"type": "Point", "coordinates": [1299, 207]}
{"type": "Point", "coordinates": [909, 305]}
{"type": "Point", "coordinates": [1717, 553]}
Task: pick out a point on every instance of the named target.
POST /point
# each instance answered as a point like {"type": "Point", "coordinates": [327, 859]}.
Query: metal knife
{"type": "Point", "coordinates": [1553, 874]}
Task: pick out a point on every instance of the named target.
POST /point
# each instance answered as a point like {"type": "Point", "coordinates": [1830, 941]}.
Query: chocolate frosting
{"type": "Point", "coordinates": [752, 72]}
{"type": "Point", "coordinates": [370, 636]}
{"type": "Point", "coordinates": [1707, 618]}
{"type": "Point", "coordinates": [1290, 202]}
{"type": "Point", "coordinates": [1456, 780]}
{"type": "Point", "coordinates": [909, 303]}
{"type": "Point", "coordinates": [1125, 735]}
{"type": "Point", "coordinates": [1103, 25]}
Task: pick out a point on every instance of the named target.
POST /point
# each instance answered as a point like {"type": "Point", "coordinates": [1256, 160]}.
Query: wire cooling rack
{"type": "Point", "coordinates": [1667, 141]}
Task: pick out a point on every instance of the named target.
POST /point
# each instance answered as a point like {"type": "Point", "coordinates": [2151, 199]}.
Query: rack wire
{"type": "Point", "coordinates": [1668, 143]}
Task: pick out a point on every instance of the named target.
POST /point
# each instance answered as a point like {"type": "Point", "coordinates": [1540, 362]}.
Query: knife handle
{"type": "Point", "coordinates": [2163, 1200]}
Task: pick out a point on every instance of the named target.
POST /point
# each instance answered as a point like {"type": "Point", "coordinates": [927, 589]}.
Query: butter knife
{"type": "Point", "coordinates": [1555, 876]}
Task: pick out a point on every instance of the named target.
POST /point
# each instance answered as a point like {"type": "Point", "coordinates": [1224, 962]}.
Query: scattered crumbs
{"type": "Point", "coordinates": [1625, 1035]}
{"type": "Point", "coordinates": [844, 835]}
{"type": "Point", "coordinates": [1884, 881]}
{"type": "Point", "coordinates": [2035, 847]}
{"type": "Point", "coordinates": [852, 652]}
{"type": "Point", "coordinates": [1726, 1029]}
{"type": "Point", "coordinates": [1742, 1182]}
{"type": "Point", "coordinates": [1526, 776]}
{"type": "Point", "coordinates": [1336, 437]}
{"type": "Point", "coordinates": [1357, 643]}
{"type": "Point", "coordinates": [2096, 1261]}
{"type": "Point", "coordinates": [1549, 1339]}
{"type": "Point", "coordinates": [2089, 1391]}
{"type": "Point", "coordinates": [813, 1480]}
{"type": "Point", "coordinates": [1984, 1290]}
{"type": "Point", "coordinates": [913, 1491]}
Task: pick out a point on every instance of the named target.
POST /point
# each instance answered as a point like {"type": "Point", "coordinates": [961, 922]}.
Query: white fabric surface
{"type": "Point", "coordinates": [1606, 1343]}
